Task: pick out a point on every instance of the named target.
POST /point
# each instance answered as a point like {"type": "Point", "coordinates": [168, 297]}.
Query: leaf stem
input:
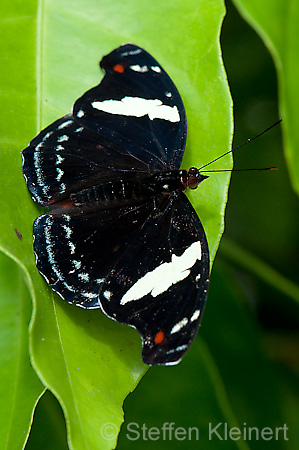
{"type": "Point", "coordinates": [238, 255]}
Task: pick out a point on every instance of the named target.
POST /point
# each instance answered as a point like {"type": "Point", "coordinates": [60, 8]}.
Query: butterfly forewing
{"type": "Point", "coordinates": [100, 140]}
{"type": "Point", "coordinates": [140, 103]}
{"type": "Point", "coordinates": [66, 158]}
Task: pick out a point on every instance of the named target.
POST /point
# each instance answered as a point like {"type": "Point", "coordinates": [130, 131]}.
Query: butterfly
{"type": "Point", "coordinates": [121, 234]}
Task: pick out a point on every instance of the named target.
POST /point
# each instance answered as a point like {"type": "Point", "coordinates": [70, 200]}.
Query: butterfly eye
{"type": "Point", "coordinates": [194, 177]}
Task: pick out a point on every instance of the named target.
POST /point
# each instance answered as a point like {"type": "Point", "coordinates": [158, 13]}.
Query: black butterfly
{"type": "Point", "coordinates": [121, 234]}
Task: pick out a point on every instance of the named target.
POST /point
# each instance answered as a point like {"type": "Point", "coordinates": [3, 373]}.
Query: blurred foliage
{"type": "Point", "coordinates": [279, 32]}
{"type": "Point", "coordinates": [263, 210]}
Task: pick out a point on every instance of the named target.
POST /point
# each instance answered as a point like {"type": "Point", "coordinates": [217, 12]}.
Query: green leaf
{"type": "Point", "coordinates": [20, 388]}
{"type": "Point", "coordinates": [89, 362]}
{"type": "Point", "coordinates": [277, 24]}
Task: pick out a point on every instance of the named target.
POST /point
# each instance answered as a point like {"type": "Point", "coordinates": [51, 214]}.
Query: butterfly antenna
{"type": "Point", "coordinates": [244, 143]}
{"type": "Point", "coordinates": [239, 170]}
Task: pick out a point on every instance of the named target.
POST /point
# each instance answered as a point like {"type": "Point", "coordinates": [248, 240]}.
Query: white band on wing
{"type": "Point", "coordinates": [138, 107]}
{"type": "Point", "coordinates": [165, 275]}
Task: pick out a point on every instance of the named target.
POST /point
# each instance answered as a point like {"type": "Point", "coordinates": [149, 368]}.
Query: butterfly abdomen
{"type": "Point", "coordinates": [141, 187]}
{"type": "Point", "coordinates": [107, 192]}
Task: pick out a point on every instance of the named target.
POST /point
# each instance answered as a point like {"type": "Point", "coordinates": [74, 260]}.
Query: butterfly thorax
{"type": "Point", "coordinates": [139, 187]}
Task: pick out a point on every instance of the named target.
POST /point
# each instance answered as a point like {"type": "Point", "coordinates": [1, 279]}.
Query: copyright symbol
{"type": "Point", "coordinates": [109, 431]}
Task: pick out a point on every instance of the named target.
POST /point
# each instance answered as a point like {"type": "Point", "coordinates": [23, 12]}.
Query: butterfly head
{"type": "Point", "coordinates": [192, 178]}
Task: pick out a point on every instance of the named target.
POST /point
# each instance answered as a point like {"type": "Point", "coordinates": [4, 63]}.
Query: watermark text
{"type": "Point", "coordinates": [221, 431]}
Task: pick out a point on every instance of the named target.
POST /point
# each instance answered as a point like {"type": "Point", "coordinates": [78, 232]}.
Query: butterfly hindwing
{"type": "Point", "coordinates": [75, 251]}
{"type": "Point", "coordinates": [160, 285]}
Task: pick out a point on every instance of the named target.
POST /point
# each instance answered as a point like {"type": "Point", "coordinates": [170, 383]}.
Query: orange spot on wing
{"type": "Point", "coordinates": [119, 68]}
{"type": "Point", "coordinates": [159, 337]}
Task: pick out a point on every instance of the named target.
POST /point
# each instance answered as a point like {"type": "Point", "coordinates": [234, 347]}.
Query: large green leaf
{"type": "Point", "coordinates": [19, 386]}
{"type": "Point", "coordinates": [49, 58]}
{"type": "Point", "coordinates": [277, 24]}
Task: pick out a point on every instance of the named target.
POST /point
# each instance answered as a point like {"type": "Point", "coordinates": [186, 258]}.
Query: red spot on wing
{"type": "Point", "coordinates": [119, 68]}
{"type": "Point", "coordinates": [160, 336]}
